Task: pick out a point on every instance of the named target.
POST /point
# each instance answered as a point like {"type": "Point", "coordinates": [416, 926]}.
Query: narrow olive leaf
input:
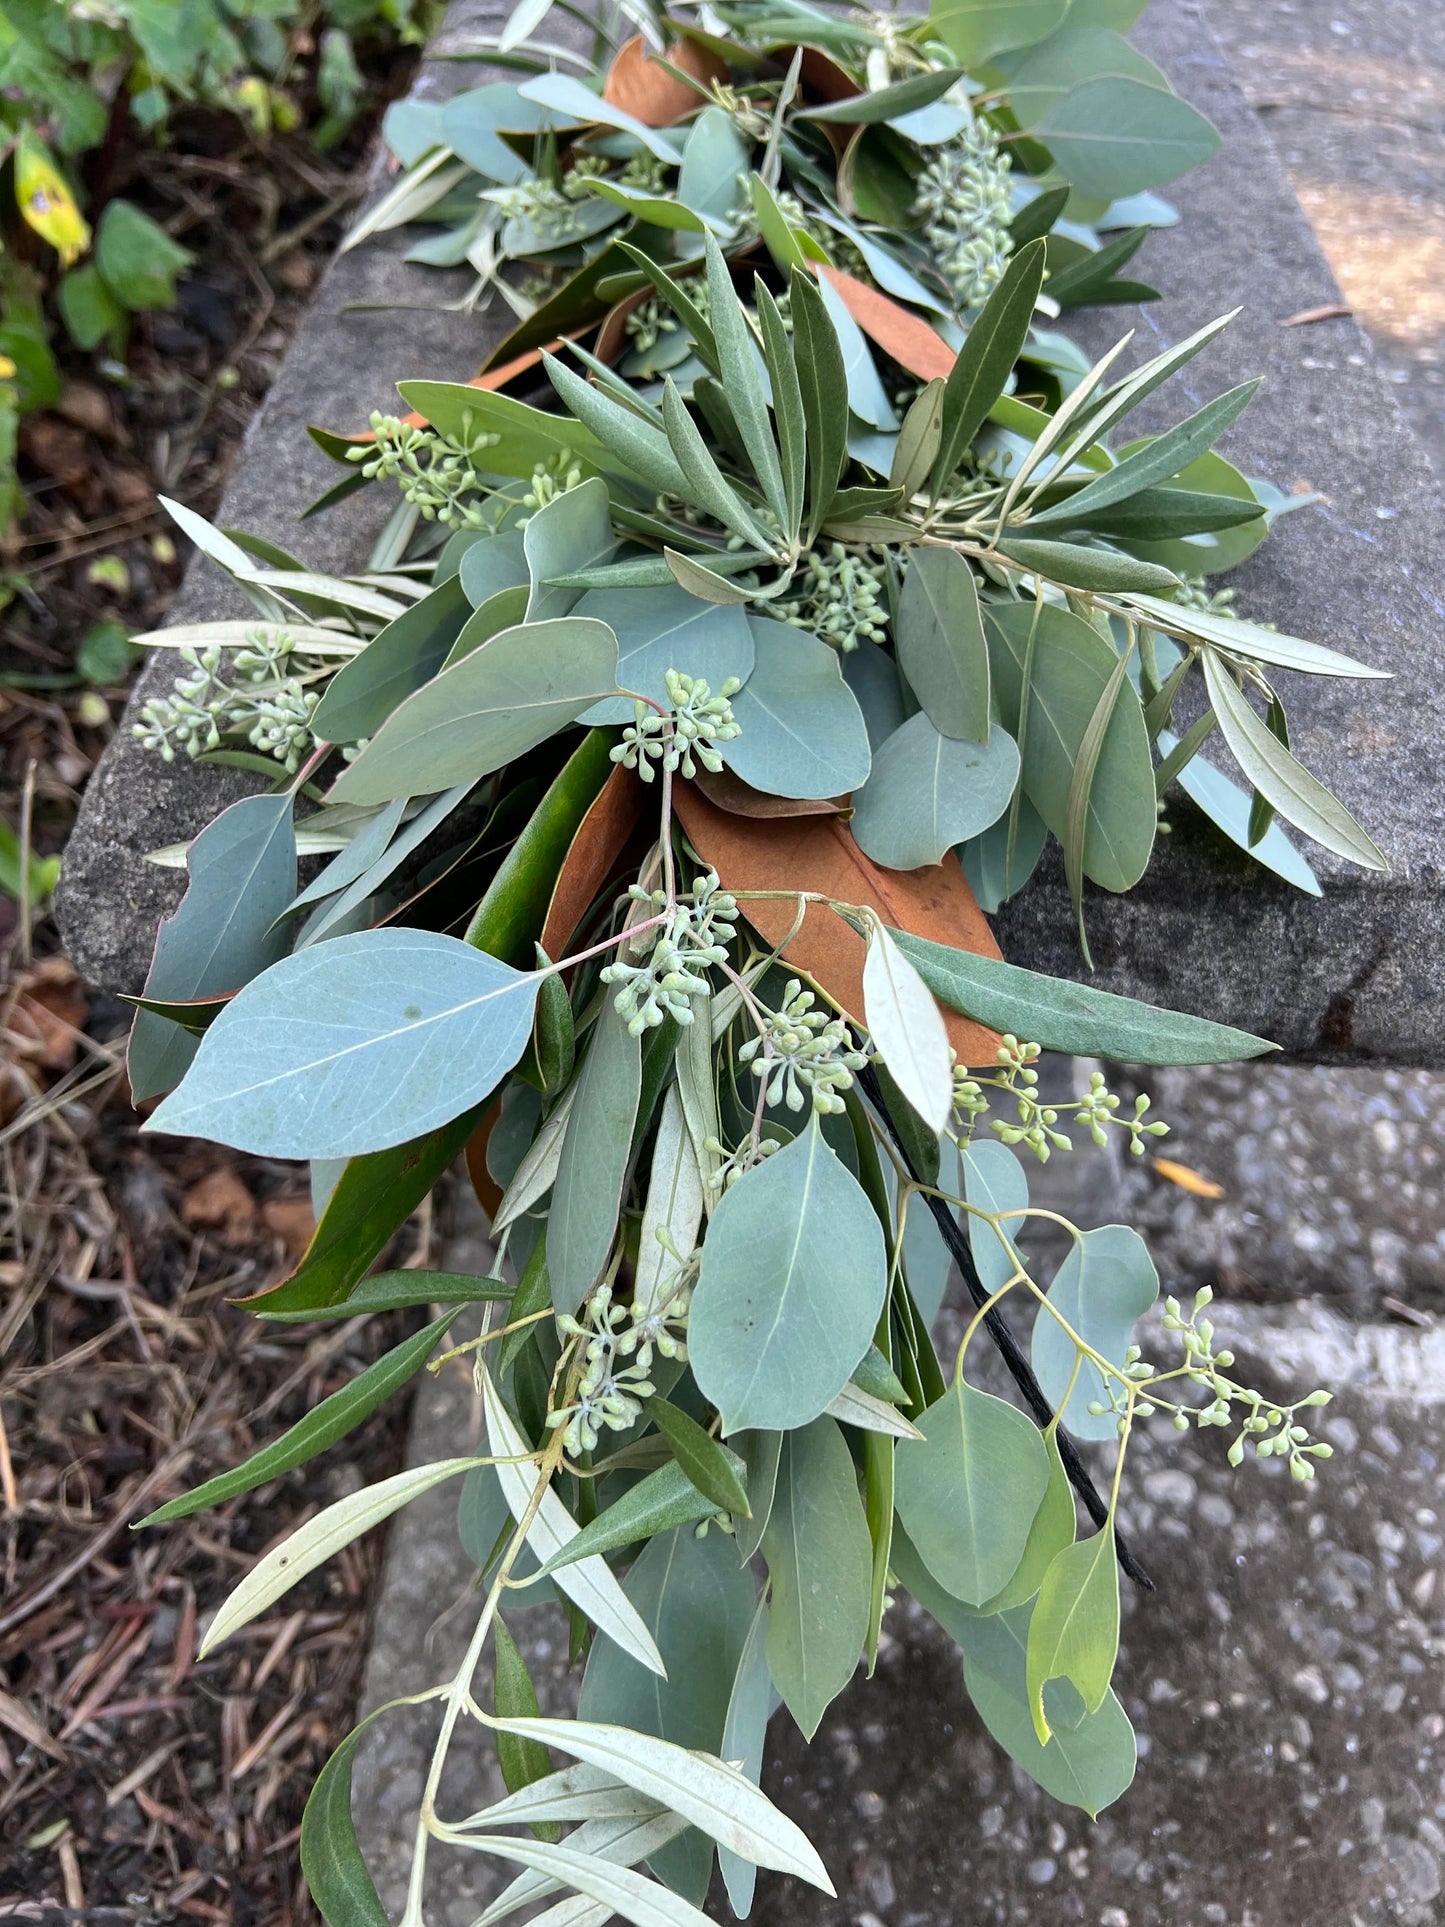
{"type": "Point", "coordinates": [336, 1874]}
{"type": "Point", "coordinates": [823, 380]}
{"type": "Point", "coordinates": [1101, 1290]}
{"type": "Point", "coordinates": [792, 1281]}
{"type": "Point", "coordinates": [588, 1584]}
{"type": "Point", "coordinates": [919, 440]}
{"type": "Point", "coordinates": [673, 1211]}
{"type": "Point", "coordinates": [1071, 1017]}
{"type": "Point", "coordinates": [820, 1562]}
{"type": "Point", "coordinates": [675, 294]}
{"type": "Point", "coordinates": [331, 1420]}
{"type": "Point", "coordinates": [1076, 822]}
{"type": "Point", "coordinates": [312, 1544]}
{"type": "Point", "coordinates": [519, 688]}
{"type": "Point", "coordinates": [1157, 460]}
{"type": "Point", "coordinates": [577, 1792]}
{"type": "Point", "coordinates": [622, 1840]}
{"type": "Point", "coordinates": [704, 484]}
{"type": "Point", "coordinates": [907, 1030]}
{"type": "Point", "coordinates": [778, 233]}
{"type": "Point", "coordinates": [738, 368]}
{"type": "Point", "coordinates": [658, 1503]}
{"type": "Point", "coordinates": [615, 1889]}
{"type": "Point", "coordinates": [553, 1037]}
{"type": "Point", "coordinates": [393, 1291]}
{"type": "Point", "coordinates": [1261, 810]}
{"type": "Point", "coordinates": [537, 1172]}
{"type": "Point", "coordinates": [855, 1407]}
{"type": "Point", "coordinates": [1074, 1631]}
{"type": "Point", "coordinates": [941, 645]}
{"type": "Point", "coordinates": [718, 1474]}
{"type": "Point", "coordinates": [642, 448]}
{"type": "Point", "coordinates": [353, 1046]}
{"type": "Point", "coordinates": [1107, 571]}
{"type": "Point", "coordinates": [968, 1493]}
{"type": "Point", "coordinates": [1179, 755]}
{"type": "Point", "coordinates": [515, 1697]}
{"type": "Point", "coordinates": [986, 361]}
{"type": "Point", "coordinates": [761, 1453]}
{"type": "Point", "coordinates": [788, 412]}
{"type": "Point", "coordinates": [1243, 638]}
{"type": "Point", "coordinates": [705, 583]}
{"type": "Point", "coordinates": [1276, 774]}
{"type": "Point", "coordinates": [594, 1157]}
{"type": "Point", "coordinates": [706, 1792]}
{"type": "Point", "coordinates": [888, 103]}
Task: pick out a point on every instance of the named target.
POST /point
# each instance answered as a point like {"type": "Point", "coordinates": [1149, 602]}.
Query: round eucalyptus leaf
{"type": "Point", "coordinates": [928, 791]}
{"type": "Point", "coordinates": [803, 734]}
{"type": "Point", "coordinates": [1102, 1289]}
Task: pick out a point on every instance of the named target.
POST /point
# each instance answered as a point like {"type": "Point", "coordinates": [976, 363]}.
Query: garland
{"type": "Point", "coordinates": [676, 731]}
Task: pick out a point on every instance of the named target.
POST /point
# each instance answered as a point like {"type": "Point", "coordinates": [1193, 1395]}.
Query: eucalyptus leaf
{"type": "Point", "coordinates": [927, 792]}
{"type": "Point", "coordinates": [1074, 1628]}
{"type": "Point", "coordinates": [994, 1180]}
{"type": "Point", "coordinates": [792, 1281]}
{"type": "Point", "coordinates": [1115, 134]}
{"type": "Point", "coordinates": [1101, 1290]}
{"type": "Point", "coordinates": [941, 646]}
{"type": "Point", "coordinates": [666, 628]}
{"type": "Point", "coordinates": [744, 1733]}
{"type": "Point", "coordinates": [802, 732]}
{"type": "Point", "coordinates": [570, 533]}
{"type": "Point", "coordinates": [399, 658]}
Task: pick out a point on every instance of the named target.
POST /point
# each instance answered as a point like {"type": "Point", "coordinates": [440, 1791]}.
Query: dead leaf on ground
{"type": "Point", "coordinates": [292, 1221]}
{"type": "Point", "coordinates": [818, 853]}
{"type": "Point", "coordinates": [638, 84]}
{"type": "Point", "coordinates": [49, 1009]}
{"type": "Point", "coordinates": [220, 1202]}
{"type": "Point", "coordinates": [910, 341]}
{"type": "Point", "coordinates": [1187, 1178]}
{"type": "Point", "coordinates": [1329, 311]}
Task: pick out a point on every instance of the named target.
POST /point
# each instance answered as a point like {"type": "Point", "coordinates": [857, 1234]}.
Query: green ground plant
{"type": "Point", "coordinates": [673, 736]}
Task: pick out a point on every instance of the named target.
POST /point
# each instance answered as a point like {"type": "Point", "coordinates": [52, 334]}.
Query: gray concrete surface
{"type": "Point", "coordinates": [1363, 571]}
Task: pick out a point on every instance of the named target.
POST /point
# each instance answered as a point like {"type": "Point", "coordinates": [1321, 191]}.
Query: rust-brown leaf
{"type": "Point", "coordinates": [488, 1191]}
{"type": "Point", "coordinates": [731, 793]}
{"type": "Point", "coordinates": [909, 340]}
{"type": "Point", "coordinates": [599, 842]}
{"type": "Point", "coordinates": [818, 853]}
{"type": "Point", "coordinates": [822, 78]}
{"type": "Point", "coordinates": [641, 86]}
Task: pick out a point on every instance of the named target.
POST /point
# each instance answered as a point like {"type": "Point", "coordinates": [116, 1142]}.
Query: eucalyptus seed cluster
{"type": "Point", "coordinates": [265, 705]}
{"type": "Point", "coordinates": [550, 211]}
{"type": "Point", "coordinates": [651, 319]}
{"type": "Point", "coordinates": [1273, 1431]}
{"type": "Point", "coordinates": [436, 473]}
{"type": "Point", "coordinates": [558, 475]}
{"type": "Point", "coordinates": [841, 598]}
{"type": "Point", "coordinates": [735, 1164]}
{"type": "Point", "coordinates": [693, 727]}
{"type": "Point", "coordinates": [673, 955]}
{"type": "Point", "coordinates": [610, 1393]}
{"type": "Point", "coordinates": [964, 195]}
{"type": "Point", "coordinates": [1038, 1125]}
{"type": "Point", "coordinates": [800, 1048]}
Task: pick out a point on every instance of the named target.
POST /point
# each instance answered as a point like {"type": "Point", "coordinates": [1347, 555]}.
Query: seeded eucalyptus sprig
{"type": "Point", "coordinates": [663, 733]}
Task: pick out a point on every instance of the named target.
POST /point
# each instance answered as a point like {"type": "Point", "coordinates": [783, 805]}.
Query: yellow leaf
{"type": "Point", "coordinates": [45, 200]}
{"type": "Point", "coordinates": [1187, 1179]}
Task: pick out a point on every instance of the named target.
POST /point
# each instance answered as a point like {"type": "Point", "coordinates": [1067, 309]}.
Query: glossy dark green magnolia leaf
{"type": "Point", "coordinates": [1071, 1017]}
{"type": "Point", "coordinates": [228, 929]}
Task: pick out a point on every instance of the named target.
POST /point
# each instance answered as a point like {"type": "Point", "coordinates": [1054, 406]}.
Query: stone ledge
{"type": "Point", "coordinates": [1352, 977]}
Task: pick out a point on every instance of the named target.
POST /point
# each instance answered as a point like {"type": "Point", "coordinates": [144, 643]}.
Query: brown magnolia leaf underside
{"type": "Point", "coordinates": [910, 341]}
{"type": "Point", "coordinates": [640, 86]}
{"type": "Point", "coordinates": [818, 853]}
{"type": "Point", "coordinates": [731, 793]}
{"type": "Point", "coordinates": [488, 1191]}
{"type": "Point", "coordinates": [600, 840]}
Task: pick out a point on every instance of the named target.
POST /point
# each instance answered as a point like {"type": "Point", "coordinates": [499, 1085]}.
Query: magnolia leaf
{"type": "Point", "coordinates": [354, 1046]}
{"type": "Point", "coordinates": [819, 853]}
{"type": "Point", "coordinates": [744, 1733]}
{"type": "Point", "coordinates": [802, 732]}
{"type": "Point", "coordinates": [596, 1149]}
{"type": "Point", "coordinates": [641, 83]}
{"type": "Point", "coordinates": [1104, 1286]}
{"type": "Point", "coordinates": [1115, 135]}
{"type": "Point", "coordinates": [901, 335]}
{"type": "Point", "coordinates": [568, 96]}
{"type": "Point", "coordinates": [662, 629]}
{"type": "Point", "coordinates": [820, 1568]}
{"type": "Point", "coordinates": [941, 645]}
{"type": "Point", "coordinates": [698, 1603]}
{"type": "Point", "coordinates": [907, 1029]}
{"type": "Point", "coordinates": [313, 1543]}
{"type": "Point", "coordinates": [1074, 1628]}
{"type": "Point", "coordinates": [225, 932]}
{"type": "Point", "coordinates": [707, 1792]}
{"type": "Point", "coordinates": [1069, 1017]}
{"type": "Point", "coordinates": [928, 792]}
{"type": "Point", "coordinates": [967, 1494]}
{"type": "Point", "coordinates": [589, 1583]}
{"type": "Point", "coordinates": [490, 707]}
{"type": "Point", "coordinates": [1281, 778]}
{"type": "Point", "coordinates": [793, 1278]}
